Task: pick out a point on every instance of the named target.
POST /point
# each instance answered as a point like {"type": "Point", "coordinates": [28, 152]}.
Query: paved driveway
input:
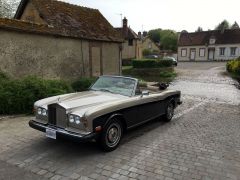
{"type": "Point", "coordinates": [201, 142]}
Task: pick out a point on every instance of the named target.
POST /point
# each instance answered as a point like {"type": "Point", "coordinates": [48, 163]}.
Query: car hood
{"type": "Point", "coordinates": [80, 100]}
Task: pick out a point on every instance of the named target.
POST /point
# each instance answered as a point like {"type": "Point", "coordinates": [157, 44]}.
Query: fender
{"type": "Point", "coordinates": [115, 115]}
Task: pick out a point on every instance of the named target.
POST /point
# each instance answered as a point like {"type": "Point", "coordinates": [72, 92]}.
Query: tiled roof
{"type": "Point", "coordinates": [17, 25]}
{"type": "Point", "coordinates": [73, 20]}
{"type": "Point", "coordinates": [229, 36]}
{"type": "Point", "coordinates": [131, 34]}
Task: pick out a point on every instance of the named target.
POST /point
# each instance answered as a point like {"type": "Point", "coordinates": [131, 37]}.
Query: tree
{"type": "Point", "coordinates": [167, 38]}
{"type": "Point", "coordinates": [235, 25]}
{"type": "Point", "coordinates": [8, 8]}
{"type": "Point", "coordinates": [155, 35]}
{"type": "Point", "coordinates": [223, 25]}
{"type": "Point", "coordinates": [199, 29]}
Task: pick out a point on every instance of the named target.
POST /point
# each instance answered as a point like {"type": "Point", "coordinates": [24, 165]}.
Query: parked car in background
{"type": "Point", "coordinates": [172, 59]}
{"type": "Point", "coordinates": [112, 105]}
{"type": "Point", "coordinates": [151, 57]}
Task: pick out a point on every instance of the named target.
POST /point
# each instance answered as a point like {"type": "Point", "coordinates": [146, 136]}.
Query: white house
{"type": "Point", "coordinates": [209, 45]}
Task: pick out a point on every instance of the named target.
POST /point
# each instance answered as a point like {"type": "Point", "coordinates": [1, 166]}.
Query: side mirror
{"type": "Point", "coordinates": [145, 93]}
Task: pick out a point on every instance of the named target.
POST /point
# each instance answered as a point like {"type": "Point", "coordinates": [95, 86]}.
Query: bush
{"type": "Point", "coordinates": [151, 63]}
{"type": "Point", "coordinates": [3, 76]}
{"type": "Point", "coordinates": [18, 96]}
{"type": "Point", "coordinates": [83, 84]}
{"type": "Point", "coordinates": [234, 66]}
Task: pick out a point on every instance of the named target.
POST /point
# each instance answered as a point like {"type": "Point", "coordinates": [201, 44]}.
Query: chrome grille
{"type": "Point", "coordinates": [57, 115]}
{"type": "Point", "coordinates": [52, 114]}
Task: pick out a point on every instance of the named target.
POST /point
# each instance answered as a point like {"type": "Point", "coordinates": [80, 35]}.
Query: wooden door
{"type": "Point", "coordinates": [192, 54]}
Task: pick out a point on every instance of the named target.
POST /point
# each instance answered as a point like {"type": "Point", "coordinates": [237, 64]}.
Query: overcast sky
{"type": "Point", "coordinates": [166, 14]}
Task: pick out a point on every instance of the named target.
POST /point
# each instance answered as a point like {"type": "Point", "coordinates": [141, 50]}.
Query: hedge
{"type": "Point", "coordinates": [82, 84]}
{"type": "Point", "coordinates": [151, 63]}
{"type": "Point", "coordinates": [233, 66]}
{"type": "Point", "coordinates": [17, 96]}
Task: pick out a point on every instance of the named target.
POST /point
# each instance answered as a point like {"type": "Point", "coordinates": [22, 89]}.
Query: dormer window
{"type": "Point", "coordinates": [212, 40]}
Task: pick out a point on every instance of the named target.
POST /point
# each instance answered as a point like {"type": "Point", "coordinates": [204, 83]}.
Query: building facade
{"type": "Point", "coordinates": [53, 39]}
{"type": "Point", "coordinates": [214, 45]}
{"type": "Point", "coordinates": [132, 46]}
{"type": "Point", "coordinates": [148, 44]}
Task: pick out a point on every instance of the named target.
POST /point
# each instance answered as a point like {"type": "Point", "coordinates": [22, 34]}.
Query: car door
{"type": "Point", "coordinates": [149, 107]}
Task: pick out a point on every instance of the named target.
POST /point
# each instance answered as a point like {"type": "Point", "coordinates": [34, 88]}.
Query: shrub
{"type": "Point", "coordinates": [234, 66]}
{"type": "Point", "coordinates": [18, 96]}
{"type": "Point", "coordinates": [3, 76]}
{"type": "Point", "coordinates": [151, 63]}
{"type": "Point", "coordinates": [83, 84]}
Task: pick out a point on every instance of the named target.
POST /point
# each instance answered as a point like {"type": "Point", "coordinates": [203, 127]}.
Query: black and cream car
{"type": "Point", "coordinates": [112, 105]}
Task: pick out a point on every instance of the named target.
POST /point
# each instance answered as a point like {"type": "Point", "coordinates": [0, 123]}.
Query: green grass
{"type": "Point", "coordinates": [151, 74]}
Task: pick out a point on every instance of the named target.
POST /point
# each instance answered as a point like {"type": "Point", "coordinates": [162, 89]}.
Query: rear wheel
{"type": "Point", "coordinates": [169, 112]}
{"type": "Point", "coordinates": [111, 135]}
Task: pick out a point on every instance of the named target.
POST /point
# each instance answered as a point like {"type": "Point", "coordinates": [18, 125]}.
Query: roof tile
{"type": "Point", "coordinates": [72, 20]}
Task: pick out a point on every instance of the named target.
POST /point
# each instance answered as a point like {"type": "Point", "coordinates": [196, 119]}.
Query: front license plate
{"type": "Point", "coordinates": [51, 133]}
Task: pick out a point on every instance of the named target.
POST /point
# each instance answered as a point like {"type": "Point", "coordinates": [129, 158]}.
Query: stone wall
{"type": "Point", "coordinates": [24, 54]}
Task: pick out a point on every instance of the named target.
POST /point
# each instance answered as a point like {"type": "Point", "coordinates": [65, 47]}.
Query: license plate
{"type": "Point", "coordinates": [50, 133]}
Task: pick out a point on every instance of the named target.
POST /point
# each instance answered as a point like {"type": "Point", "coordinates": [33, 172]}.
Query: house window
{"type": "Point", "coordinates": [149, 45]}
{"type": "Point", "coordinates": [184, 52]}
{"type": "Point", "coordinates": [202, 52]}
{"type": "Point", "coordinates": [222, 51]}
{"type": "Point", "coordinates": [233, 51]}
{"type": "Point", "coordinates": [130, 42]}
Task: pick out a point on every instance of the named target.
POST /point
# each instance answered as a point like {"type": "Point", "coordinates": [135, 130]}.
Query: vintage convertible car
{"type": "Point", "coordinates": [112, 105]}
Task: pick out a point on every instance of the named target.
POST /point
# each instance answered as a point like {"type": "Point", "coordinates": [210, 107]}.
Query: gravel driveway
{"type": "Point", "coordinates": [201, 142]}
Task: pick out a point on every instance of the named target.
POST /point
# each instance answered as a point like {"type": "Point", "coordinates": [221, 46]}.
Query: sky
{"type": "Point", "coordinates": [166, 14]}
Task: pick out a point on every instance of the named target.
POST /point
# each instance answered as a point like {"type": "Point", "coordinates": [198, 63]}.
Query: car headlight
{"type": "Point", "coordinates": [77, 120]}
{"type": "Point", "coordinates": [41, 111]}
{"type": "Point", "coordinates": [74, 119]}
{"type": "Point", "coordinates": [71, 119]}
{"type": "Point", "coordinates": [44, 112]}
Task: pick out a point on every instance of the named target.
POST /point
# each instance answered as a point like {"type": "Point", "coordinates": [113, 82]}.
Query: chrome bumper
{"type": "Point", "coordinates": [61, 132]}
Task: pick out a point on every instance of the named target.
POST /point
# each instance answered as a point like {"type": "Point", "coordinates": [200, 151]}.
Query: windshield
{"type": "Point", "coordinates": [116, 85]}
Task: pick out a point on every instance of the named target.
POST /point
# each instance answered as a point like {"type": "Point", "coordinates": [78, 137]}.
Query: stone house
{"type": "Point", "coordinates": [209, 45]}
{"type": "Point", "coordinates": [147, 43]}
{"type": "Point", "coordinates": [53, 39]}
{"type": "Point", "coordinates": [132, 46]}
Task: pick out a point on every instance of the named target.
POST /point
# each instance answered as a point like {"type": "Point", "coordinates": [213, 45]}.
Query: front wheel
{"type": "Point", "coordinates": [111, 135]}
{"type": "Point", "coordinates": [169, 112]}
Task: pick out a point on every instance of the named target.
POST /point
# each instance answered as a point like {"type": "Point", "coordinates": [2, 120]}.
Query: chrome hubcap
{"type": "Point", "coordinates": [113, 134]}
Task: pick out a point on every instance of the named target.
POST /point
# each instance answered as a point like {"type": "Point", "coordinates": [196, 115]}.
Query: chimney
{"type": "Point", "coordinates": [125, 27]}
{"type": "Point", "coordinates": [145, 34]}
{"type": "Point", "coordinates": [139, 35]}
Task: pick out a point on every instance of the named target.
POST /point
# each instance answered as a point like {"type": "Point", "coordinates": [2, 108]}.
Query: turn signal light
{"type": "Point", "coordinates": [98, 128]}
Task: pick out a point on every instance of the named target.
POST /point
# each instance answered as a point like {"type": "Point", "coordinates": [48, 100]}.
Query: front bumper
{"type": "Point", "coordinates": [61, 132]}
